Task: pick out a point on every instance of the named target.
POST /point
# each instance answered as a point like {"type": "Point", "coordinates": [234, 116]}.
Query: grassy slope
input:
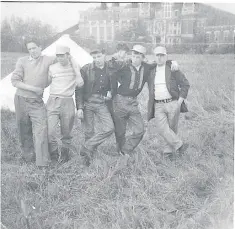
{"type": "Point", "coordinates": [195, 192]}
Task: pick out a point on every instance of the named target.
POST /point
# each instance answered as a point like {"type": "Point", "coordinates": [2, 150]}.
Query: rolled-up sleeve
{"type": "Point", "coordinates": [18, 73]}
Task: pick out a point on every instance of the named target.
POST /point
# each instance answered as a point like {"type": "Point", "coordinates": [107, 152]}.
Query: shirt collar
{"type": "Point", "coordinates": [31, 58]}
{"type": "Point", "coordinates": [161, 67]}
{"type": "Point", "coordinates": [95, 67]}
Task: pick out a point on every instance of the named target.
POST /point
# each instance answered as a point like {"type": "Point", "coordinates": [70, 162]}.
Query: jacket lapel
{"type": "Point", "coordinates": [167, 77]}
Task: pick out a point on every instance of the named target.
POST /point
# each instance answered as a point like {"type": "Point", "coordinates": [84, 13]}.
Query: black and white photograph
{"type": "Point", "coordinates": [117, 115]}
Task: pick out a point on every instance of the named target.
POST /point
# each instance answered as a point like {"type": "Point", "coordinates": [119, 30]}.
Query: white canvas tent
{"type": "Point", "coordinates": [7, 91]}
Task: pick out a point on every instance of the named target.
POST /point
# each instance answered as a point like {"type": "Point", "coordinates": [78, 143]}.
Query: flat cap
{"type": "Point", "coordinates": [61, 49]}
{"type": "Point", "coordinates": [139, 48]}
{"type": "Point", "coordinates": [159, 50]}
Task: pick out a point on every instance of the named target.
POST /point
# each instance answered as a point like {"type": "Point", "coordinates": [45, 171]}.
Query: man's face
{"type": "Point", "coordinates": [122, 54]}
{"type": "Point", "coordinates": [34, 50]}
{"type": "Point", "coordinates": [99, 59]}
{"type": "Point", "coordinates": [161, 59]}
{"type": "Point", "coordinates": [137, 58]}
{"type": "Point", "coordinates": [63, 59]}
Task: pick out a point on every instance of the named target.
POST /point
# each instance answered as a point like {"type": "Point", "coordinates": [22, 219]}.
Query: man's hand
{"type": "Point", "coordinates": [174, 66]}
{"type": "Point", "coordinates": [180, 100]}
{"type": "Point", "coordinates": [80, 114]}
{"type": "Point", "coordinates": [109, 96]}
{"type": "Point", "coordinates": [38, 90]}
{"type": "Point", "coordinates": [79, 81]}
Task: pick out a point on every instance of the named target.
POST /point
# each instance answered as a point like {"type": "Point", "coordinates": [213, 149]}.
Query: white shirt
{"type": "Point", "coordinates": [160, 90]}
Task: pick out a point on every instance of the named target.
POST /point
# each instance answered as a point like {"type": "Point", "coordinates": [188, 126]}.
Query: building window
{"type": "Point", "coordinates": [208, 36]}
{"type": "Point", "coordinates": [176, 13]}
{"type": "Point", "coordinates": [167, 10]}
{"type": "Point", "coordinates": [200, 23]}
{"type": "Point", "coordinates": [188, 8]}
{"type": "Point", "coordinates": [226, 35]}
{"type": "Point", "coordinates": [216, 35]}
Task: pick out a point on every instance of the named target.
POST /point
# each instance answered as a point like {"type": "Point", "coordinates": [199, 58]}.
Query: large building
{"type": "Point", "coordinates": [166, 23]}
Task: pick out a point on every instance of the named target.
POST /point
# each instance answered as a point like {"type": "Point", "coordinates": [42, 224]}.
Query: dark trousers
{"type": "Point", "coordinates": [31, 120]}
{"type": "Point", "coordinates": [126, 112]}
{"type": "Point", "coordinates": [96, 107]}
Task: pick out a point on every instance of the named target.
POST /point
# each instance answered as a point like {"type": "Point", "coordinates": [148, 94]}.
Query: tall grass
{"type": "Point", "coordinates": [194, 192]}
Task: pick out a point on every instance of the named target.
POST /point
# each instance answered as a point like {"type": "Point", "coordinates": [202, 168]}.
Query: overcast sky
{"type": "Point", "coordinates": [64, 15]}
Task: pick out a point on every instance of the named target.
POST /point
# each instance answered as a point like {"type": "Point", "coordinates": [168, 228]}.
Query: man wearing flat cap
{"type": "Point", "coordinates": [131, 80]}
{"type": "Point", "coordinates": [91, 102]}
{"type": "Point", "coordinates": [167, 92]}
{"type": "Point", "coordinates": [63, 77]}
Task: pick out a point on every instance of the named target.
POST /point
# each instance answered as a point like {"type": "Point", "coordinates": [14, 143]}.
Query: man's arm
{"type": "Point", "coordinates": [171, 63]}
{"type": "Point", "coordinates": [184, 85]}
{"type": "Point", "coordinates": [76, 68]}
{"type": "Point", "coordinates": [79, 92]}
{"type": "Point", "coordinates": [17, 80]}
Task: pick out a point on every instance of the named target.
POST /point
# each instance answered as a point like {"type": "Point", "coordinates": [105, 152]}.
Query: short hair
{"type": "Point", "coordinates": [122, 46]}
{"type": "Point", "coordinates": [32, 40]}
{"type": "Point", "coordinates": [97, 50]}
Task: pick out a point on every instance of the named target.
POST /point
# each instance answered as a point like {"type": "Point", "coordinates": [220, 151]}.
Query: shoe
{"type": "Point", "coordinates": [168, 156]}
{"type": "Point", "coordinates": [182, 149]}
{"type": "Point", "coordinates": [54, 155]}
{"type": "Point", "coordinates": [64, 157]}
{"type": "Point", "coordinates": [86, 156]}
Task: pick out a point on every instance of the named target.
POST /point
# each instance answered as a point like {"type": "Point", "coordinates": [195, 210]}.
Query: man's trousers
{"type": "Point", "coordinates": [60, 110]}
{"type": "Point", "coordinates": [31, 120]}
{"type": "Point", "coordinates": [95, 109]}
{"type": "Point", "coordinates": [166, 119]}
{"type": "Point", "coordinates": [126, 111]}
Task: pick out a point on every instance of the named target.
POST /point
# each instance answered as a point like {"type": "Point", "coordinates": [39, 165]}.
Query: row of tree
{"type": "Point", "coordinates": [15, 30]}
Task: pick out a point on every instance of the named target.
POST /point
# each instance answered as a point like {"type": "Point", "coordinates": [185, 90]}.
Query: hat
{"type": "Point", "coordinates": [60, 49]}
{"type": "Point", "coordinates": [139, 48]}
{"type": "Point", "coordinates": [160, 50]}
{"type": "Point", "coordinates": [97, 50]}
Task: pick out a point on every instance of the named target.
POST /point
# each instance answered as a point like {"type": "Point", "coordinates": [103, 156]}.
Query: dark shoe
{"type": "Point", "coordinates": [168, 156]}
{"type": "Point", "coordinates": [86, 156]}
{"type": "Point", "coordinates": [182, 149]}
{"type": "Point", "coordinates": [54, 155]}
{"type": "Point", "coordinates": [64, 157]}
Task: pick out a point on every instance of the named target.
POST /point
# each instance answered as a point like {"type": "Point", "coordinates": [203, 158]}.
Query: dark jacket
{"type": "Point", "coordinates": [176, 84]}
{"type": "Point", "coordinates": [88, 74]}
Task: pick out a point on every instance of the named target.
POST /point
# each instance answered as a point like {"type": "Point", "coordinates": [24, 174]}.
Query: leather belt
{"type": "Point", "coordinates": [163, 101]}
{"type": "Point", "coordinates": [98, 96]}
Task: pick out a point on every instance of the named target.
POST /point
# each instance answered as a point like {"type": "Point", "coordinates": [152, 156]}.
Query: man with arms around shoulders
{"type": "Point", "coordinates": [30, 77]}
{"type": "Point", "coordinates": [167, 92]}
{"type": "Point", "coordinates": [63, 77]}
{"type": "Point", "coordinates": [126, 86]}
{"type": "Point", "coordinates": [91, 103]}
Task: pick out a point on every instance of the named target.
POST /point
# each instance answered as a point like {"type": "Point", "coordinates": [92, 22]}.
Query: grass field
{"type": "Point", "coordinates": [194, 192]}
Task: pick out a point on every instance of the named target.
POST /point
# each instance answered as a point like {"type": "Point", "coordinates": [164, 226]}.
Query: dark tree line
{"type": "Point", "coordinates": [15, 30]}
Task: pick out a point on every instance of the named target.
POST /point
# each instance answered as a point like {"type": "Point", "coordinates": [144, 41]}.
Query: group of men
{"type": "Point", "coordinates": [106, 101]}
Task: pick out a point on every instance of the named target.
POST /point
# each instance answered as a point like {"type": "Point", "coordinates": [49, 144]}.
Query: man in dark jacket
{"type": "Point", "coordinates": [91, 101]}
{"type": "Point", "coordinates": [126, 87]}
{"type": "Point", "coordinates": [167, 92]}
